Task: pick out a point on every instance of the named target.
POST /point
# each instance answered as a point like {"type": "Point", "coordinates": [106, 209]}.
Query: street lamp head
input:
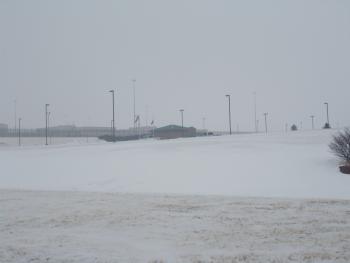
{"type": "Point", "coordinates": [47, 104]}
{"type": "Point", "coordinates": [326, 103]}
{"type": "Point", "coordinates": [228, 96]}
{"type": "Point", "coordinates": [111, 91]}
{"type": "Point", "coordinates": [182, 110]}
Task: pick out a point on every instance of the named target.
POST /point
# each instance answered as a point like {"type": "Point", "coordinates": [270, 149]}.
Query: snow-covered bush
{"type": "Point", "coordinates": [340, 145]}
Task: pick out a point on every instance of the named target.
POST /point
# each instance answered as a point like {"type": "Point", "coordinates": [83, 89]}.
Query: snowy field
{"type": "Point", "coordinates": [243, 198]}
{"type": "Point", "coordinates": [39, 141]}
{"type": "Point", "coordinates": [105, 227]}
{"type": "Point", "coordinates": [277, 165]}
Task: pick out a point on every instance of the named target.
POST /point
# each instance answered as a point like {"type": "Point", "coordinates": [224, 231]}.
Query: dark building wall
{"type": "Point", "coordinates": [173, 132]}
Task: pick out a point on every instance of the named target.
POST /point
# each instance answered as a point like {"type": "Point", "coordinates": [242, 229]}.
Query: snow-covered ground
{"type": "Point", "coordinates": [39, 141]}
{"type": "Point", "coordinates": [243, 198]}
{"type": "Point", "coordinates": [277, 165]}
{"type": "Point", "coordinates": [105, 227]}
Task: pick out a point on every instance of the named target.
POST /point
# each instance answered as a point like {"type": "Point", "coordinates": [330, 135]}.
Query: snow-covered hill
{"type": "Point", "coordinates": [295, 164]}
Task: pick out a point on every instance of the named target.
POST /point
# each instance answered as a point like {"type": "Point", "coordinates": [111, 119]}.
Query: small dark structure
{"type": "Point", "coordinates": [294, 127]}
{"type": "Point", "coordinates": [174, 131]}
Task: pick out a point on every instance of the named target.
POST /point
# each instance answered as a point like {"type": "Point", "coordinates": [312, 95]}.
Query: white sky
{"type": "Point", "coordinates": [184, 54]}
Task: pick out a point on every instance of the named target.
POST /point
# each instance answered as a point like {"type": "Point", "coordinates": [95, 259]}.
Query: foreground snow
{"type": "Point", "coordinates": [277, 165]}
{"type": "Point", "coordinates": [102, 227]}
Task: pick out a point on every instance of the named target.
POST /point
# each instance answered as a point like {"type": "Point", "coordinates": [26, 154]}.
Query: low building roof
{"type": "Point", "coordinates": [172, 128]}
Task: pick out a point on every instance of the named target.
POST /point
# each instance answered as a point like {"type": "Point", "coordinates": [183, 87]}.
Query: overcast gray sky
{"type": "Point", "coordinates": [184, 54]}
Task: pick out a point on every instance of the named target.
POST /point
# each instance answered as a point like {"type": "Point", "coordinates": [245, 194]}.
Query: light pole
{"type": "Point", "coordinates": [182, 118]}
{"type": "Point", "coordinates": [255, 121]}
{"type": "Point", "coordinates": [113, 132]}
{"type": "Point", "coordinates": [182, 121]}
{"type": "Point", "coordinates": [133, 86]}
{"type": "Point", "coordinates": [146, 115]}
{"type": "Point", "coordinates": [19, 131]}
{"type": "Point", "coordinates": [312, 121]}
{"type": "Point", "coordinates": [48, 127]}
{"type": "Point", "coordinates": [46, 121]}
{"type": "Point", "coordinates": [327, 124]}
{"type": "Point", "coordinates": [229, 111]}
{"type": "Point", "coordinates": [205, 130]}
{"type": "Point", "coordinates": [15, 101]}
{"type": "Point", "coordinates": [265, 115]}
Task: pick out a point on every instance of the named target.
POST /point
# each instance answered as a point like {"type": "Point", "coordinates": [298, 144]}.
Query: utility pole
{"type": "Point", "coordinates": [112, 91]}
{"type": "Point", "coordinates": [182, 118]}
{"type": "Point", "coordinates": [46, 121]}
{"type": "Point", "coordinates": [229, 111]}
{"type": "Point", "coordinates": [265, 114]}
{"type": "Point", "coordinates": [15, 101]}
{"type": "Point", "coordinates": [153, 126]}
{"type": "Point", "coordinates": [312, 121]}
{"type": "Point", "coordinates": [182, 121]}
{"type": "Point", "coordinates": [255, 121]}
{"type": "Point", "coordinates": [19, 131]}
{"type": "Point", "coordinates": [146, 117]}
{"type": "Point", "coordinates": [49, 134]}
{"type": "Point", "coordinates": [138, 118]}
{"type": "Point", "coordinates": [326, 103]}
{"type": "Point", "coordinates": [133, 86]}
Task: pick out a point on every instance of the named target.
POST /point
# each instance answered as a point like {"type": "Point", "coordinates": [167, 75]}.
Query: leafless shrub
{"type": "Point", "coordinates": [340, 145]}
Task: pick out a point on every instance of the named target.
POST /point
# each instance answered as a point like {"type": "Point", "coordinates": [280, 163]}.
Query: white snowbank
{"type": "Point", "coordinates": [295, 164]}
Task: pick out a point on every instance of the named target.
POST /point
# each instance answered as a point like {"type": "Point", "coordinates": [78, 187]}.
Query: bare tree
{"type": "Point", "coordinates": [340, 145]}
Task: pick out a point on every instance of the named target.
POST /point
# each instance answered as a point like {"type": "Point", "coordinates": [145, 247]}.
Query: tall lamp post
{"type": "Point", "coordinates": [15, 101]}
{"type": "Point", "coordinates": [19, 131]}
{"type": "Point", "coordinates": [229, 111]}
{"type": "Point", "coordinates": [49, 135]}
{"type": "Point", "coordinates": [312, 121]}
{"type": "Point", "coordinates": [255, 120]}
{"type": "Point", "coordinates": [182, 118]}
{"type": "Point", "coordinates": [182, 121]}
{"type": "Point", "coordinates": [46, 122]}
{"type": "Point", "coordinates": [133, 86]}
{"type": "Point", "coordinates": [113, 121]}
{"type": "Point", "coordinates": [265, 115]}
{"type": "Point", "coordinates": [327, 124]}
